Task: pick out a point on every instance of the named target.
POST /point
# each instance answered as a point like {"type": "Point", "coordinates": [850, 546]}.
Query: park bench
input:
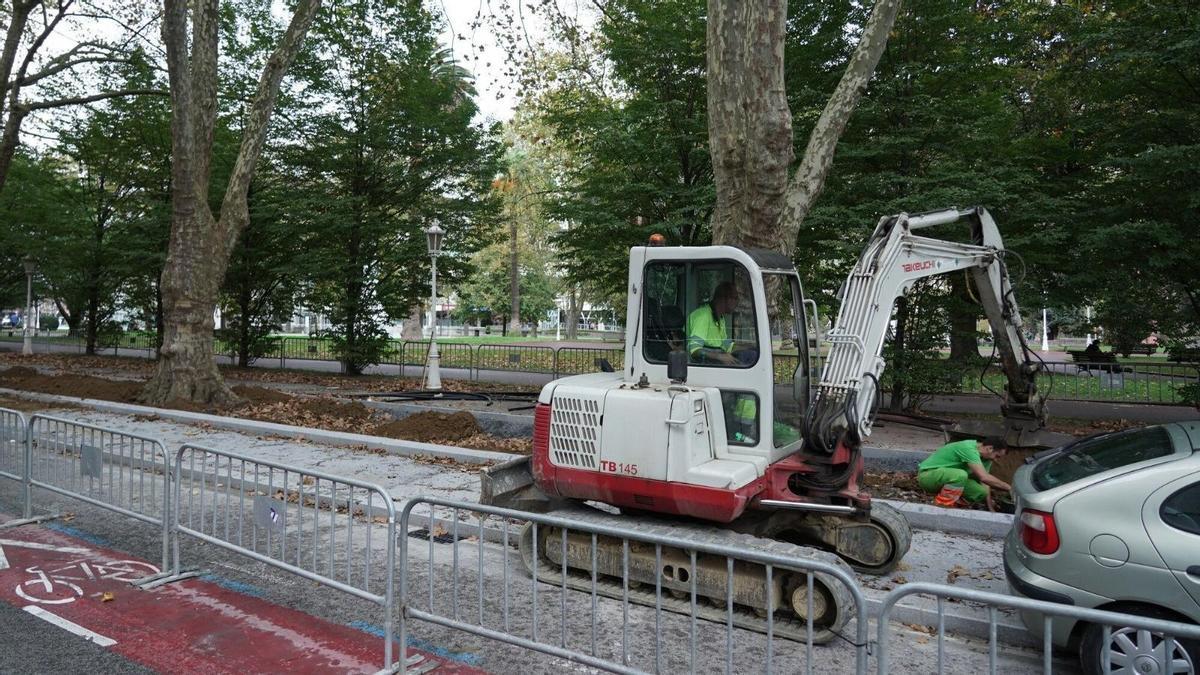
{"type": "Point", "coordinates": [1105, 362]}
{"type": "Point", "coordinates": [1139, 349]}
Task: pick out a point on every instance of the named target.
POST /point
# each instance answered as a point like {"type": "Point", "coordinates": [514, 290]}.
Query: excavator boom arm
{"type": "Point", "coordinates": [893, 260]}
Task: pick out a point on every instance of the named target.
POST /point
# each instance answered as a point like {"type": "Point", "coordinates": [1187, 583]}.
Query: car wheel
{"type": "Point", "coordinates": [1135, 652]}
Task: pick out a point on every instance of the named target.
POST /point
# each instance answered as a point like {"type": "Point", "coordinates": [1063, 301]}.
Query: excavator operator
{"type": "Point", "coordinates": [708, 342]}
{"type": "Point", "coordinates": [708, 335]}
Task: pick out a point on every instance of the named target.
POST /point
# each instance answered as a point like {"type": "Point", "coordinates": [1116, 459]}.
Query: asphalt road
{"type": "Point", "coordinates": [31, 646]}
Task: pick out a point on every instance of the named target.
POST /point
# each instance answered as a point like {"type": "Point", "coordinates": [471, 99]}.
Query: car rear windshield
{"type": "Point", "coordinates": [1090, 457]}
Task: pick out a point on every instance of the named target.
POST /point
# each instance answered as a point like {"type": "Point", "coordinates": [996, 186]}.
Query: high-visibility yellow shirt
{"type": "Point", "coordinates": [705, 329]}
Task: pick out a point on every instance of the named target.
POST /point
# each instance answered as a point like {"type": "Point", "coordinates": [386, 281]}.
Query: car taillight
{"type": "Point", "coordinates": [1038, 531]}
{"type": "Point", "coordinates": [541, 430]}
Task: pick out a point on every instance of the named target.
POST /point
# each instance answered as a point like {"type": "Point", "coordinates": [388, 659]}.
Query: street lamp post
{"type": "Point", "coordinates": [1045, 332]}
{"type": "Point", "coordinates": [30, 268]}
{"type": "Point", "coordinates": [433, 238]}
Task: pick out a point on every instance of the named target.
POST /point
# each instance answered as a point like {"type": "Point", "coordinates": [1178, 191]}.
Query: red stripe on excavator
{"type": "Point", "coordinates": [660, 496]}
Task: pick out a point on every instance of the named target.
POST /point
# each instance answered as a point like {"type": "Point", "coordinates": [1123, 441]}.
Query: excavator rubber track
{"type": "Point", "coordinates": [836, 606]}
{"type": "Point", "coordinates": [882, 541]}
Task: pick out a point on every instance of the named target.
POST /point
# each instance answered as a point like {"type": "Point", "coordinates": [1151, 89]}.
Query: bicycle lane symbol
{"type": "Point", "coordinates": [56, 580]}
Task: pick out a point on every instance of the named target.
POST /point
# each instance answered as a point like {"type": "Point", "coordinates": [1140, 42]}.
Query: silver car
{"type": "Point", "coordinates": [1113, 522]}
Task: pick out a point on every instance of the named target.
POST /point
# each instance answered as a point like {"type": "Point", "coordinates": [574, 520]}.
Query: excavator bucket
{"type": "Point", "coordinates": [510, 485]}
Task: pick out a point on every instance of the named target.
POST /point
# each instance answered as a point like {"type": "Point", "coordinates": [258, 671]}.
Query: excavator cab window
{"type": "Point", "coordinates": [706, 308]}
{"type": "Point", "coordinates": [789, 354]}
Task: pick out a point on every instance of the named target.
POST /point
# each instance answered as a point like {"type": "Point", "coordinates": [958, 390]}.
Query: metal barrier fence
{"type": "Point", "coordinates": [122, 472]}
{"type": "Point", "coordinates": [1094, 381]}
{"type": "Point", "coordinates": [580, 360]}
{"type": "Point", "coordinates": [14, 456]}
{"type": "Point", "coordinates": [12, 445]}
{"type": "Point", "coordinates": [312, 524]}
{"type": "Point", "coordinates": [450, 354]}
{"type": "Point", "coordinates": [675, 581]}
{"type": "Point", "coordinates": [518, 358]}
{"type": "Point", "coordinates": [341, 533]}
{"type": "Point", "coordinates": [1169, 632]}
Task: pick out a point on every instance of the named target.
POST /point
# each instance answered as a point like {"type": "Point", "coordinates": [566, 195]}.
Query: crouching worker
{"type": "Point", "coordinates": [960, 469]}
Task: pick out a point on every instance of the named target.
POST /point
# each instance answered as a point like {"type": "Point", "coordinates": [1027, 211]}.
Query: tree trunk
{"type": "Point", "coordinates": [186, 368]}
{"type": "Point", "coordinates": [964, 345]}
{"type": "Point", "coordinates": [750, 125]}
{"type": "Point", "coordinates": [750, 135]}
{"type": "Point", "coordinates": [897, 364]}
{"type": "Point", "coordinates": [244, 316]}
{"type": "Point", "coordinates": [514, 280]}
{"type": "Point", "coordinates": [72, 318]}
{"type": "Point", "coordinates": [412, 324]}
{"type": "Point", "coordinates": [159, 319]}
{"type": "Point", "coordinates": [200, 245]}
{"type": "Point", "coordinates": [573, 315]}
{"type": "Point", "coordinates": [92, 322]}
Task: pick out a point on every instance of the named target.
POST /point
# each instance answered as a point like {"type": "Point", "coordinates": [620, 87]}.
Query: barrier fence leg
{"type": "Point", "coordinates": [27, 478]}
{"type": "Point", "coordinates": [172, 571]}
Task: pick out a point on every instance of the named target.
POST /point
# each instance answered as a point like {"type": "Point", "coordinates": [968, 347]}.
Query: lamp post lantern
{"type": "Point", "coordinates": [30, 268]}
{"type": "Point", "coordinates": [433, 238]}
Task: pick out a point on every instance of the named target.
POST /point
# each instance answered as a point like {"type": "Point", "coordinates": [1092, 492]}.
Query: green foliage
{"type": "Point", "coordinates": [1190, 393]}
{"type": "Point", "coordinates": [48, 322]}
{"type": "Point", "coordinates": [264, 272]}
{"type": "Point", "coordinates": [915, 369]}
{"type": "Point", "coordinates": [639, 141]}
{"type": "Point", "coordinates": [387, 147]}
{"type": "Point", "coordinates": [1121, 101]}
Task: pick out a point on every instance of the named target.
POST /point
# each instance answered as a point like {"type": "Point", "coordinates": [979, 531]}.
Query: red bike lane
{"type": "Point", "coordinates": [187, 626]}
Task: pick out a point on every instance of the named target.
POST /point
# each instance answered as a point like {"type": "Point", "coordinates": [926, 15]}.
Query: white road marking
{"type": "Point", "coordinates": [43, 547]}
{"type": "Point", "coordinates": [70, 626]}
{"type": "Point", "coordinates": [33, 544]}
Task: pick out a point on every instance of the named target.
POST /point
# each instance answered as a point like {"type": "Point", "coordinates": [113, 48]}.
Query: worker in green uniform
{"type": "Point", "coordinates": [707, 333]}
{"type": "Point", "coordinates": [963, 468]}
{"type": "Point", "coordinates": [708, 341]}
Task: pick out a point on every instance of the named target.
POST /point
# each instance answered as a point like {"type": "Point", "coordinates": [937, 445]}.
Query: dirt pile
{"type": "Point", "coordinates": [901, 485]}
{"type": "Point", "coordinates": [259, 395]}
{"type": "Point", "coordinates": [321, 413]}
{"type": "Point", "coordinates": [78, 386]}
{"type": "Point", "coordinates": [432, 427]}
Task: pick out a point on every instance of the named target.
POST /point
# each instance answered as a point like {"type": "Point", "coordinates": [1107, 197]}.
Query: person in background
{"type": "Point", "coordinates": [962, 470]}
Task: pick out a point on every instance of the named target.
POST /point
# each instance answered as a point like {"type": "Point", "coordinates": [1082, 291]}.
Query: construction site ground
{"type": "Point", "coordinates": [935, 555]}
{"type": "Point", "coordinates": [336, 402]}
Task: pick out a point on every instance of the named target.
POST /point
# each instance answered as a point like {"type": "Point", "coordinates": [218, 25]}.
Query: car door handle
{"type": "Point", "coordinates": [1194, 571]}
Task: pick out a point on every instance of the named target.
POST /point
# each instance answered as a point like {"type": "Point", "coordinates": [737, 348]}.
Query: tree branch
{"type": "Point", "coordinates": [80, 100]}
{"type": "Point", "coordinates": [51, 70]}
{"type": "Point", "coordinates": [809, 179]}
{"type": "Point", "coordinates": [63, 6]}
{"type": "Point", "coordinates": [234, 208]}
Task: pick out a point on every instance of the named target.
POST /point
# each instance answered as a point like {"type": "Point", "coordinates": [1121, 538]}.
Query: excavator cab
{"type": "Point", "coordinates": [738, 316]}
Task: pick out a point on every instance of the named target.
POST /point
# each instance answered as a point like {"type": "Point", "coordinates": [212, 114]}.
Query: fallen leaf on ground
{"type": "Point", "coordinates": [956, 572]}
{"type": "Point", "coordinates": [108, 597]}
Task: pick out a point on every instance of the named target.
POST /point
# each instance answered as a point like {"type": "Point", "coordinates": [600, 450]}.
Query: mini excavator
{"type": "Point", "coordinates": [747, 440]}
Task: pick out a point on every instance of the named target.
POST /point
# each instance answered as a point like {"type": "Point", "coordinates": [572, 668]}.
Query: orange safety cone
{"type": "Point", "coordinates": [949, 496]}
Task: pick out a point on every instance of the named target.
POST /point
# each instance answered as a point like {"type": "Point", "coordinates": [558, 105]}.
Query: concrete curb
{"type": "Point", "coordinates": [956, 521]}
{"type": "Point", "coordinates": [393, 446]}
